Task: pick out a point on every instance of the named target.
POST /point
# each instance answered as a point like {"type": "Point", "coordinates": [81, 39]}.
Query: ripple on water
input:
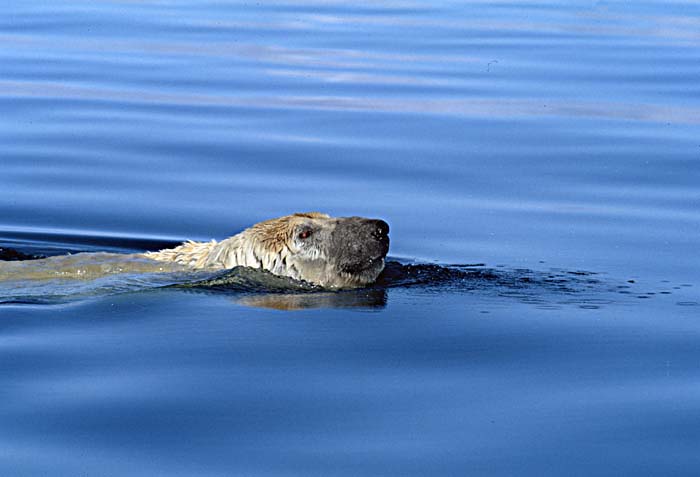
{"type": "Point", "coordinates": [78, 276]}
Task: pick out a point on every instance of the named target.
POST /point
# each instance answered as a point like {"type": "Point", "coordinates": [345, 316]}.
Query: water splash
{"type": "Point", "coordinates": [550, 289]}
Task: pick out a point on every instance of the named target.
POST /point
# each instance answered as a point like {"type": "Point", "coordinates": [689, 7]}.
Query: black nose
{"type": "Point", "coordinates": [381, 229]}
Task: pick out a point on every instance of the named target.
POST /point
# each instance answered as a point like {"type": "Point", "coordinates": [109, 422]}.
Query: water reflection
{"type": "Point", "coordinates": [371, 299]}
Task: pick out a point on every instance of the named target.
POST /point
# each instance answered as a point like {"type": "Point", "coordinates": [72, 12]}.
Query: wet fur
{"type": "Point", "coordinates": [264, 245]}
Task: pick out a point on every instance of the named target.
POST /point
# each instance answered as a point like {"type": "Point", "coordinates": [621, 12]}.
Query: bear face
{"type": "Point", "coordinates": [339, 252]}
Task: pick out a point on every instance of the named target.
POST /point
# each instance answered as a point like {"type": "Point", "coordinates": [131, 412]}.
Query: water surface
{"type": "Point", "coordinates": [537, 163]}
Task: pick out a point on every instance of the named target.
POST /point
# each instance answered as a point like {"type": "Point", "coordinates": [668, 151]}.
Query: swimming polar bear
{"type": "Point", "coordinates": [333, 252]}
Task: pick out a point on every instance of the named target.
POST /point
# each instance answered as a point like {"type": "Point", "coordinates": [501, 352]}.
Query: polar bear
{"type": "Point", "coordinates": [333, 252]}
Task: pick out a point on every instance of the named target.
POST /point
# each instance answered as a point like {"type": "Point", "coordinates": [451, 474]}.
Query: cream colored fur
{"type": "Point", "coordinates": [267, 245]}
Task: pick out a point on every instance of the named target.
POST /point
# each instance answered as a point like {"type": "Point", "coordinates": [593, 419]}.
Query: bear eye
{"type": "Point", "coordinates": [305, 234]}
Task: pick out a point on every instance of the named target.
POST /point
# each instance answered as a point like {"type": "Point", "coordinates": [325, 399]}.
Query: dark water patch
{"type": "Point", "coordinates": [551, 289]}
{"type": "Point", "coordinates": [250, 280]}
{"type": "Point", "coordinates": [8, 254]}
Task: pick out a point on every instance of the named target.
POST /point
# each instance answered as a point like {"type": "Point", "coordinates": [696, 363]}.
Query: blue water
{"type": "Point", "coordinates": [538, 163]}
